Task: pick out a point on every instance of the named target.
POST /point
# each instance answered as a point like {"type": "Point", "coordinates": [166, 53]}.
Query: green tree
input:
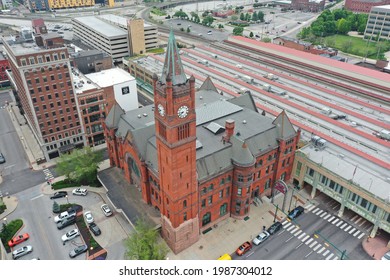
{"type": "Point", "coordinates": [255, 17]}
{"type": "Point", "coordinates": [266, 40]}
{"type": "Point", "coordinates": [247, 17]}
{"type": "Point", "coordinates": [251, 34]}
{"type": "Point", "coordinates": [188, 30]}
{"type": "Point", "coordinates": [242, 16]}
{"type": "Point", "coordinates": [208, 20]}
{"type": "Point", "coordinates": [56, 207]}
{"type": "Point", "coordinates": [233, 17]}
{"type": "Point", "coordinates": [180, 14]}
{"type": "Point", "coordinates": [80, 166]}
{"type": "Point", "coordinates": [144, 243]}
{"type": "Point", "coordinates": [343, 26]}
{"type": "Point", "coordinates": [238, 30]}
{"type": "Point", "coordinates": [260, 16]}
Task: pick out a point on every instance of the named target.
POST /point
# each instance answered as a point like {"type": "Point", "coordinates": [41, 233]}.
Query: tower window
{"type": "Point", "coordinates": [183, 131]}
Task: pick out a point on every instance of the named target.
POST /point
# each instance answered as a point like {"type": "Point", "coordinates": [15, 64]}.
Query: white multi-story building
{"type": "Point", "coordinates": [378, 24]}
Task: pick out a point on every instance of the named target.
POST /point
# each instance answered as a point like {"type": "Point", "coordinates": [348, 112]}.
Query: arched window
{"type": "Point", "coordinates": [185, 204]}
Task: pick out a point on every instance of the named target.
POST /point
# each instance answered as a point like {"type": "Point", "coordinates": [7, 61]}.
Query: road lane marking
{"type": "Point", "coordinates": [281, 232]}
{"type": "Point", "coordinates": [299, 245]}
{"type": "Point", "coordinates": [38, 196]}
{"type": "Point", "coordinates": [9, 166]}
{"type": "Point", "coordinates": [335, 221]}
{"type": "Point", "coordinates": [289, 239]}
{"type": "Point", "coordinates": [309, 254]}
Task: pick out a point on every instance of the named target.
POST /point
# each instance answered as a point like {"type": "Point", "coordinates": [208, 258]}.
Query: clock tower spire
{"type": "Point", "coordinates": [175, 122]}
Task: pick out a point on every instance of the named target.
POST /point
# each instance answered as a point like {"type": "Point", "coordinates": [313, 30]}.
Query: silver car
{"type": "Point", "coordinates": [21, 252]}
{"type": "Point", "coordinates": [260, 238]}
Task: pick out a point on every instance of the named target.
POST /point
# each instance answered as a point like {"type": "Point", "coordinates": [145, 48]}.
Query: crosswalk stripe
{"type": "Point", "coordinates": [310, 207]}
{"type": "Point", "coordinates": [347, 228]}
{"type": "Point", "coordinates": [335, 221]}
{"type": "Point", "coordinates": [336, 258]}
{"type": "Point", "coordinates": [284, 222]}
{"type": "Point", "coordinates": [319, 212]}
{"type": "Point", "coordinates": [308, 241]}
{"type": "Point", "coordinates": [320, 251]}
{"type": "Point", "coordinates": [306, 237]}
{"type": "Point", "coordinates": [298, 232]}
{"type": "Point", "coordinates": [330, 256]}
{"type": "Point", "coordinates": [302, 235]}
{"type": "Point", "coordinates": [327, 216]}
{"type": "Point", "coordinates": [352, 230]}
{"type": "Point", "coordinates": [317, 247]}
{"type": "Point", "coordinates": [316, 210]}
{"type": "Point", "coordinates": [326, 252]}
{"type": "Point", "coordinates": [313, 244]}
{"type": "Point", "coordinates": [361, 235]}
{"type": "Point", "coordinates": [294, 230]}
{"type": "Point", "coordinates": [343, 226]}
{"type": "Point", "coordinates": [331, 219]}
{"type": "Point", "coordinates": [339, 223]}
{"type": "Point", "coordinates": [323, 214]}
{"type": "Point", "coordinates": [356, 233]}
{"type": "Point", "coordinates": [289, 227]}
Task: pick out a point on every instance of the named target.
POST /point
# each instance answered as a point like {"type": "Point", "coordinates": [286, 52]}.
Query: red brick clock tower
{"type": "Point", "coordinates": [175, 122]}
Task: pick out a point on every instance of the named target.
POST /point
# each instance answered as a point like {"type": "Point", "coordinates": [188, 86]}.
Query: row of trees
{"type": "Point", "coordinates": [256, 16]}
{"type": "Point", "coordinates": [338, 21]}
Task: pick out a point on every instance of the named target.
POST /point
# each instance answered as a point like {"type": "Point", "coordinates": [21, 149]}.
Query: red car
{"type": "Point", "coordinates": [244, 248]}
{"type": "Point", "coordinates": [18, 239]}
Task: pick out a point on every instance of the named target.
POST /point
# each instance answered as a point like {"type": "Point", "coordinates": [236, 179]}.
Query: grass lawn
{"type": "Point", "coordinates": [355, 45]}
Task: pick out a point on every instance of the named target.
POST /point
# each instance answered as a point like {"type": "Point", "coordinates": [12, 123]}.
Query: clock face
{"type": "Point", "coordinates": [161, 110]}
{"type": "Point", "coordinates": [182, 112]}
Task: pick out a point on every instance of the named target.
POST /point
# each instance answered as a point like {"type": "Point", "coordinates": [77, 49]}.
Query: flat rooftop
{"type": "Point", "coordinates": [102, 27]}
{"type": "Point", "coordinates": [110, 77]}
{"type": "Point", "coordinates": [368, 176]}
{"type": "Point", "coordinates": [82, 83]}
{"type": "Point", "coordinates": [22, 47]}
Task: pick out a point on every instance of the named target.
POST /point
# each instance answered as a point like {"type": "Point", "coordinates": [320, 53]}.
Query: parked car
{"type": "Point", "coordinates": [18, 239]}
{"type": "Point", "coordinates": [274, 228]}
{"type": "Point", "coordinates": [78, 251]}
{"type": "Point", "coordinates": [64, 215]}
{"type": "Point", "coordinates": [260, 238]}
{"type": "Point", "coordinates": [66, 222]}
{"type": "Point", "coordinates": [2, 158]}
{"type": "Point", "coordinates": [70, 235]}
{"type": "Point", "coordinates": [386, 256]}
{"type": "Point", "coordinates": [95, 229]}
{"type": "Point", "coordinates": [22, 251]}
{"type": "Point", "coordinates": [88, 217]}
{"type": "Point", "coordinates": [106, 210]}
{"type": "Point", "coordinates": [80, 191]}
{"type": "Point", "coordinates": [59, 194]}
{"type": "Point", "coordinates": [245, 247]}
{"type": "Point", "coordinates": [296, 212]}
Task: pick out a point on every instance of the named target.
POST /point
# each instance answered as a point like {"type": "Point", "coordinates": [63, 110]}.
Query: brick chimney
{"type": "Point", "coordinates": [229, 130]}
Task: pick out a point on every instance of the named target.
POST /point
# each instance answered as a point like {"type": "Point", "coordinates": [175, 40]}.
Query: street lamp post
{"type": "Point", "coordinates": [5, 221]}
{"type": "Point", "coordinates": [67, 198]}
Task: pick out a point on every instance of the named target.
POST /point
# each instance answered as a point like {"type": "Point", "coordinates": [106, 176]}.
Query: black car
{"type": "Point", "coordinates": [66, 222]}
{"type": "Point", "coordinates": [296, 212]}
{"type": "Point", "coordinates": [78, 250]}
{"type": "Point", "coordinates": [274, 228]}
{"type": "Point", "coordinates": [95, 229]}
{"type": "Point", "coordinates": [2, 158]}
{"type": "Point", "coordinates": [59, 194]}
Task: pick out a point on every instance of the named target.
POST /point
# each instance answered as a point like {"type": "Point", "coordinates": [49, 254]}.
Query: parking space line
{"type": "Point", "coordinates": [313, 244]}
{"type": "Point", "coordinates": [352, 230]}
{"type": "Point", "coordinates": [343, 226]}
{"type": "Point", "coordinates": [316, 210]}
{"type": "Point", "coordinates": [335, 221]}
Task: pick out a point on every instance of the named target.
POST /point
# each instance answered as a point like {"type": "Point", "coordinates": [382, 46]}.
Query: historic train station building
{"type": "Point", "coordinates": [197, 156]}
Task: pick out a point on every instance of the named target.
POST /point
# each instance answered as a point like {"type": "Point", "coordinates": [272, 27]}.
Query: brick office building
{"type": "Point", "coordinates": [4, 66]}
{"type": "Point", "coordinates": [196, 157]}
{"type": "Point", "coordinates": [42, 84]}
{"type": "Point", "coordinates": [364, 6]}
